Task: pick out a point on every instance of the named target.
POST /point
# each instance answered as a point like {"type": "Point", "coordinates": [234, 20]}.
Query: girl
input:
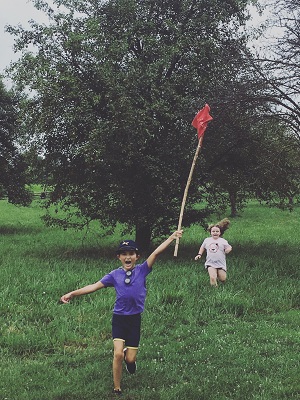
{"type": "Point", "coordinates": [216, 249]}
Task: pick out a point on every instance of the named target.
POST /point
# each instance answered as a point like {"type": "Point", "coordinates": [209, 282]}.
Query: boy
{"type": "Point", "coordinates": [129, 282]}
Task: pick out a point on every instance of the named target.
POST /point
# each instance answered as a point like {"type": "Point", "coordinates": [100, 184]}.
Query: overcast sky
{"type": "Point", "coordinates": [14, 12]}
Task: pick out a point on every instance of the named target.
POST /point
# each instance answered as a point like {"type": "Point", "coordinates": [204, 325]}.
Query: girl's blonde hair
{"type": "Point", "coordinates": [222, 225]}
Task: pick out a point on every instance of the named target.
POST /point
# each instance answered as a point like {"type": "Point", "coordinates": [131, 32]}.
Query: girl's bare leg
{"type": "Point", "coordinates": [213, 274]}
{"type": "Point", "coordinates": [222, 275]}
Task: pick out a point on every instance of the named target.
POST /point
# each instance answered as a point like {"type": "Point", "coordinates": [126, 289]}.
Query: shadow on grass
{"type": "Point", "coordinates": [272, 256]}
{"type": "Point", "coordinates": [187, 251]}
{"type": "Point", "coordinates": [19, 230]}
{"type": "Point", "coordinates": [64, 253]}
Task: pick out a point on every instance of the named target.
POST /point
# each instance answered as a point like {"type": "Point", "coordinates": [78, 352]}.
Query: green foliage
{"type": "Point", "coordinates": [262, 163]}
{"type": "Point", "coordinates": [281, 66]}
{"type": "Point", "coordinates": [116, 89]}
{"type": "Point", "coordinates": [116, 85]}
{"type": "Point", "coordinates": [234, 342]}
{"type": "Point", "coordinates": [12, 165]}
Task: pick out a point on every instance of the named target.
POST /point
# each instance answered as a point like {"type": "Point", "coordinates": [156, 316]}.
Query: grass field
{"type": "Point", "coordinates": [239, 341]}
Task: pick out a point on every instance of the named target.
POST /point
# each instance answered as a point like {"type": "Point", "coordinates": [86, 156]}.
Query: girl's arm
{"type": "Point", "coordinates": [200, 252]}
{"type": "Point", "coordinates": [79, 292]}
{"type": "Point", "coordinates": [151, 259]}
{"type": "Point", "coordinates": [228, 249]}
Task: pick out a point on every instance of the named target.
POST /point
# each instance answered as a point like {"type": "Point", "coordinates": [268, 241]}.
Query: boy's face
{"type": "Point", "coordinates": [128, 259]}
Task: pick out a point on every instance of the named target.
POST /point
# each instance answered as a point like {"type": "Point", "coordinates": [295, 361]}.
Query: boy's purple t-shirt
{"type": "Point", "coordinates": [130, 298]}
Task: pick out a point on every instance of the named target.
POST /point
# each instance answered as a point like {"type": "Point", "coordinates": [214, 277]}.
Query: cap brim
{"type": "Point", "coordinates": [127, 248]}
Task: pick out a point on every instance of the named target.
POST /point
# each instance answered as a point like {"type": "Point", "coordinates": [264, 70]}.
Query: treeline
{"type": "Point", "coordinates": [114, 87]}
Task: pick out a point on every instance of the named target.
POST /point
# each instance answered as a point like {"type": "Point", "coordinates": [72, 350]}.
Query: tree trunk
{"type": "Point", "coordinates": [143, 237]}
{"type": "Point", "coordinates": [232, 198]}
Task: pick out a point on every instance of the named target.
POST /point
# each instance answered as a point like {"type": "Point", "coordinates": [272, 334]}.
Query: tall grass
{"type": "Point", "coordinates": [239, 341]}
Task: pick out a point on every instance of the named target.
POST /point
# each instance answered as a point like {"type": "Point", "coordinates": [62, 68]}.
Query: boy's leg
{"type": "Point", "coordinates": [130, 359]}
{"type": "Point", "coordinates": [131, 354]}
{"type": "Point", "coordinates": [213, 274]}
{"type": "Point", "coordinates": [132, 342]}
{"type": "Point", "coordinates": [222, 275]}
{"type": "Point", "coordinates": [117, 363]}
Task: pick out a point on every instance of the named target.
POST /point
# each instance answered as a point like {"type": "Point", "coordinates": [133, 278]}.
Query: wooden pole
{"type": "Point", "coordinates": [186, 192]}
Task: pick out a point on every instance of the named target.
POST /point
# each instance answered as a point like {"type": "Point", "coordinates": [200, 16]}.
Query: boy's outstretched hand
{"type": "Point", "coordinates": [177, 234]}
{"type": "Point", "coordinates": [65, 299]}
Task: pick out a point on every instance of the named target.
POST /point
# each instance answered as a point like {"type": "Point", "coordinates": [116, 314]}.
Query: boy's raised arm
{"type": "Point", "coordinates": [79, 292]}
{"type": "Point", "coordinates": [151, 259]}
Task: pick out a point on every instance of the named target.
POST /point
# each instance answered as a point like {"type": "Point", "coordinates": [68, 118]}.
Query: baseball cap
{"type": "Point", "coordinates": [127, 245]}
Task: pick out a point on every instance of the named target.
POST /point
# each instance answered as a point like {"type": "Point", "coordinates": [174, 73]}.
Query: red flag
{"type": "Point", "coordinates": [201, 120]}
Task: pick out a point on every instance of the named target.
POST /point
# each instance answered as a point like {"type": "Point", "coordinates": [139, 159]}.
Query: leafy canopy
{"type": "Point", "coordinates": [115, 87]}
{"type": "Point", "coordinates": [12, 165]}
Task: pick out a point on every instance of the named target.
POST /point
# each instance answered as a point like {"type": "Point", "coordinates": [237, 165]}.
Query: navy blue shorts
{"type": "Point", "coordinates": [127, 328]}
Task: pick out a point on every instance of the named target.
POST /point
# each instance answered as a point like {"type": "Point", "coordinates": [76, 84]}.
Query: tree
{"type": "Point", "coordinates": [279, 64]}
{"type": "Point", "coordinates": [238, 158]}
{"type": "Point", "coordinates": [261, 163]}
{"type": "Point", "coordinates": [12, 166]}
{"type": "Point", "coordinates": [265, 117]}
{"type": "Point", "coordinates": [35, 171]}
{"type": "Point", "coordinates": [116, 85]}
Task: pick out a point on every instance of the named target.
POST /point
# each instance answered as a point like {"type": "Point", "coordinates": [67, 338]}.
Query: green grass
{"type": "Point", "coordinates": [239, 341]}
